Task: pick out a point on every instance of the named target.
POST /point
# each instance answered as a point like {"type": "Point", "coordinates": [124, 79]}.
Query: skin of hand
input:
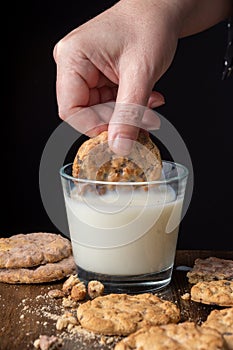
{"type": "Point", "coordinates": [119, 56]}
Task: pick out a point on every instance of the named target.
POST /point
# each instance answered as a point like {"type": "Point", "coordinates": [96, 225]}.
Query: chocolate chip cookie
{"type": "Point", "coordinates": [182, 336]}
{"type": "Point", "coordinates": [122, 314]}
{"type": "Point", "coordinates": [95, 161]}
{"type": "Point", "coordinates": [33, 249]}
{"type": "Point", "coordinates": [39, 274]}
{"type": "Point", "coordinates": [211, 269]}
{"type": "Point", "coordinates": [213, 292]}
{"type": "Point", "coordinates": [222, 321]}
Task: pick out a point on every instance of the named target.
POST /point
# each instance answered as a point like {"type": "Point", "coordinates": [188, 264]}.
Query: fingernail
{"type": "Point", "coordinates": [157, 103]}
{"type": "Point", "coordinates": [121, 146]}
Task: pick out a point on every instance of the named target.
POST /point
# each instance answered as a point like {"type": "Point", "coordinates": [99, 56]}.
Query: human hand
{"type": "Point", "coordinates": [117, 56]}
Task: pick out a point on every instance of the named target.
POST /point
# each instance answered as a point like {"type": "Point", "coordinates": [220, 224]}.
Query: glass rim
{"type": "Point", "coordinates": [127, 183]}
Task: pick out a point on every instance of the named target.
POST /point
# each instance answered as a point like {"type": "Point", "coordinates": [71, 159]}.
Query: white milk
{"type": "Point", "coordinates": [124, 233]}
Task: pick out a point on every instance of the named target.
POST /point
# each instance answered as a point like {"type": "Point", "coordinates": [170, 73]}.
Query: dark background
{"type": "Point", "coordinates": [198, 103]}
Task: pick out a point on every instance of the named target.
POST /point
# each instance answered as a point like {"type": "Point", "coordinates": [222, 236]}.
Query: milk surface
{"type": "Point", "coordinates": [124, 232]}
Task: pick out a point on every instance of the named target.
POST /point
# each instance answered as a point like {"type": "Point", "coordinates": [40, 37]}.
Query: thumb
{"type": "Point", "coordinates": [124, 127]}
{"type": "Point", "coordinates": [133, 95]}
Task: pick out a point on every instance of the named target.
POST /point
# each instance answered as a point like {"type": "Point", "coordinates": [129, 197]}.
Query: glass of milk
{"type": "Point", "coordinates": [124, 234]}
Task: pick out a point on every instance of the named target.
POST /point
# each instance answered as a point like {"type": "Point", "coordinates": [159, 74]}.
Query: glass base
{"type": "Point", "coordinates": [151, 282]}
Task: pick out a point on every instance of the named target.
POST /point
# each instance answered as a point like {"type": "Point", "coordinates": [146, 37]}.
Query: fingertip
{"type": "Point", "coordinates": [121, 145]}
{"type": "Point", "coordinates": [156, 99]}
{"type": "Point", "coordinates": [121, 138]}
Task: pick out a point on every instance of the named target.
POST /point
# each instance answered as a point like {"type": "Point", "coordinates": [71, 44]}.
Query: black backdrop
{"type": "Point", "coordinates": [198, 103]}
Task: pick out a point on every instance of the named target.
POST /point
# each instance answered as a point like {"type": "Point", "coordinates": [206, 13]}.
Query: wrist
{"type": "Point", "coordinates": [185, 17]}
{"type": "Point", "coordinates": [205, 14]}
{"type": "Point", "coordinates": [174, 12]}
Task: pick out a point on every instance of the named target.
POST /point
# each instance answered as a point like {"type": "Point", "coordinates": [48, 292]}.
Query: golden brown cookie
{"type": "Point", "coordinates": [182, 336]}
{"type": "Point", "coordinates": [44, 273]}
{"type": "Point", "coordinates": [222, 321]}
{"type": "Point", "coordinates": [33, 249]}
{"type": "Point", "coordinates": [122, 314]}
{"type": "Point", "coordinates": [211, 269]}
{"type": "Point", "coordinates": [213, 292]}
{"type": "Point", "coordinates": [94, 160]}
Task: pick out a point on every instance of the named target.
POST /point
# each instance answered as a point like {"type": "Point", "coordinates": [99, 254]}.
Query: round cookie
{"type": "Point", "coordinates": [95, 161]}
{"type": "Point", "coordinates": [33, 249]}
{"type": "Point", "coordinates": [122, 314]}
{"type": "Point", "coordinates": [213, 293]}
{"type": "Point", "coordinates": [182, 336]}
{"type": "Point", "coordinates": [41, 274]}
{"type": "Point", "coordinates": [222, 321]}
{"type": "Point", "coordinates": [211, 269]}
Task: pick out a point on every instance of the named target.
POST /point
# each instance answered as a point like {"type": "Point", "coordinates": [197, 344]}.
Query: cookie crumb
{"type": "Point", "coordinates": [37, 343]}
{"type": "Point", "coordinates": [44, 342]}
{"type": "Point", "coordinates": [56, 293]}
{"type": "Point", "coordinates": [95, 289]}
{"type": "Point", "coordinates": [185, 296]}
{"type": "Point", "coordinates": [68, 302]}
{"type": "Point", "coordinates": [69, 283]}
{"type": "Point", "coordinates": [78, 292]}
{"type": "Point", "coordinates": [67, 320]}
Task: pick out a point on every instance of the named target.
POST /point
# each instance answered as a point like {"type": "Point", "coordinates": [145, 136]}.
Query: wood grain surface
{"type": "Point", "coordinates": [27, 311]}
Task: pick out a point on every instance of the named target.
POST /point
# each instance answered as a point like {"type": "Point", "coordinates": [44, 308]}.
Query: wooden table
{"type": "Point", "coordinates": [26, 311]}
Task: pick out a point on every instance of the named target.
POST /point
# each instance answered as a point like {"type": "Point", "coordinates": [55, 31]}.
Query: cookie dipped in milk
{"type": "Point", "coordinates": [124, 213]}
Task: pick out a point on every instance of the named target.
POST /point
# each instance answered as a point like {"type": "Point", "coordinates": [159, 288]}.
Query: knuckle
{"type": "Point", "coordinates": [64, 113]}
